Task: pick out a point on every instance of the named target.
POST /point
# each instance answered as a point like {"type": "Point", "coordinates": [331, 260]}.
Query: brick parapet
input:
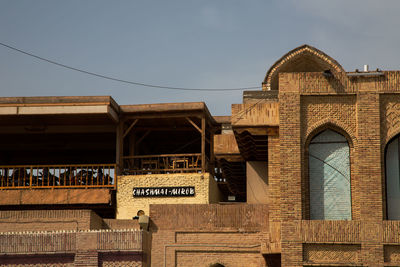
{"type": "Point", "coordinates": [72, 241]}
{"type": "Point", "coordinates": [317, 83]}
{"type": "Point", "coordinates": [49, 220]}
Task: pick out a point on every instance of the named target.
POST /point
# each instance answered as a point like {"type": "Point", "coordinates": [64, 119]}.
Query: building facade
{"type": "Point", "coordinates": [305, 172]}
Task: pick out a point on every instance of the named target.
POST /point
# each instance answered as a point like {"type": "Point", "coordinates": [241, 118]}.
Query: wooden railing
{"type": "Point", "coordinates": [168, 163]}
{"type": "Point", "coordinates": [52, 176]}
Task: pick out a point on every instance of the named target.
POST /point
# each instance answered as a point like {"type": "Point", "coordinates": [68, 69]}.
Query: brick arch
{"type": "Point", "coordinates": [333, 125]}
{"type": "Point", "coordinates": [304, 58]}
{"type": "Point", "coordinates": [393, 134]}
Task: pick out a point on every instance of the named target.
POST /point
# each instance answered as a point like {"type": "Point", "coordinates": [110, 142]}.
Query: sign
{"type": "Point", "coordinates": [180, 191]}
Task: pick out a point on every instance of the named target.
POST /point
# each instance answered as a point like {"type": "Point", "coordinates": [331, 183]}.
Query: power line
{"type": "Point", "coordinates": [121, 80]}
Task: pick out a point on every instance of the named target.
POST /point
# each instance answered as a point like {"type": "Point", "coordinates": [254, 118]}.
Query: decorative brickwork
{"type": "Point", "coordinates": [118, 259]}
{"type": "Point", "coordinates": [325, 253]}
{"type": "Point", "coordinates": [227, 258]}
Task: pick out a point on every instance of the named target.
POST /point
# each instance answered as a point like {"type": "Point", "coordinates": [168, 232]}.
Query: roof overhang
{"type": "Point", "coordinates": [55, 107]}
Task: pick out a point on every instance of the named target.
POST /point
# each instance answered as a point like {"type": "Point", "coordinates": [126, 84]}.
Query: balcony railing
{"type": "Point", "coordinates": [168, 163]}
{"type": "Point", "coordinates": [57, 176]}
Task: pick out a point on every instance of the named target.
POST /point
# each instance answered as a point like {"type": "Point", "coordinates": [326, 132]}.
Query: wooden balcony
{"type": "Point", "coordinates": [58, 176]}
{"type": "Point", "coordinates": [167, 163]}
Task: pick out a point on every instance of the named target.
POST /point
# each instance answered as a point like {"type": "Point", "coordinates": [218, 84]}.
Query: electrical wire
{"type": "Point", "coordinates": [122, 80]}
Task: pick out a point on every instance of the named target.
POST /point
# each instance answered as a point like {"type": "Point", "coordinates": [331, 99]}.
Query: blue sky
{"type": "Point", "coordinates": [198, 44]}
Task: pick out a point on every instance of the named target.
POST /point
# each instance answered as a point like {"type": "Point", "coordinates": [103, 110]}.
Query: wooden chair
{"type": "Point", "coordinates": [181, 163]}
{"type": "Point", "coordinates": [194, 163]}
{"type": "Point", "coordinates": [149, 164]}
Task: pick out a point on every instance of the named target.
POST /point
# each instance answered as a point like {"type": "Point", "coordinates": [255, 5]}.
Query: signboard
{"type": "Point", "coordinates": [180, 191]}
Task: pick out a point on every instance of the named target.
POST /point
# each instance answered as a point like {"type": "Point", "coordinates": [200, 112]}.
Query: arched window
{"type": "Point", "coordinates": [329, 177]}
{"type": "Point", "coordinates": [392, 179]}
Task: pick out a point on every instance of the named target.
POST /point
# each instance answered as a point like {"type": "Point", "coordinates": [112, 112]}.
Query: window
{"type": "Point", "coordinates": [329, 177]}
{"type": "Point", "coordinates": [392, 179]}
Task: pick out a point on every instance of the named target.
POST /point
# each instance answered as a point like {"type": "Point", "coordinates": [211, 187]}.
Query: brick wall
{"type": "Point", "coordinates": [119, 259]}
{"type": "Point", "coordinates": [206, 191]}
{"type": "Point", "coordinates": [365, 111]}
{"type": "Point", "coordinates": [57, 260]}
{"type": "Point", "coordinates": [274, 180]}
{"type": "Point", "coordinates": [75, 248]}
{"type": "Point", "coordinates": [198, 235]}
{"type": "Point", "coordinates": [292, 200]}
{"type": "Point", "coordinates": [48, 220]}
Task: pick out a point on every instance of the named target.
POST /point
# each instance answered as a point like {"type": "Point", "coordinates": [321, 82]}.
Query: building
{"type": "Point", "coordinates": [305, 172]}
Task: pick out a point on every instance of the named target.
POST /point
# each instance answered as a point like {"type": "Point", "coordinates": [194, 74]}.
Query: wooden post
{"type": "Point", "coordinates": [212, 159]}
{"type": "Point", "coordinates": [119, 147]}
{"type": "Point", "coordinates": [203, 144]}
{"type": "Point", "coordinates": [132, 145]}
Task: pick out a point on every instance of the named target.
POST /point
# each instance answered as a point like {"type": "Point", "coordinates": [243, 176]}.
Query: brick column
{"type": "Point", "coordinates": [369, 156]}
{"type": "Point", "coordinates": [290, 154]}
{"type": "Point", "coordinates": [86, 246]}
{"type": "Point", "coordinates": [369, 173]}
{"type": "Point", "coordinates": [274, 179]}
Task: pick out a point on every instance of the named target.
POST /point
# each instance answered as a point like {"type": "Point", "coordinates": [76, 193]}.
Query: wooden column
{"type": "Point", "coordinates": [132, 145]}
{"type": "Point", "coordinates": [203, 144]}
{"type": "Point", "coordinates": [212, 159]}
{"type": "Point", "coordinates": [119, 147]}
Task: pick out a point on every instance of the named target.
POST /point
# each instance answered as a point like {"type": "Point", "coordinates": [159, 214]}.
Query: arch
{"type": "Point", "coordinates": [329, 176]}
{"type": "Point", "coordinates": [392, 177]}
{"type": "Point", "coordinates": [393, 133]}
{"type": "Point", "coordinates": [333, 125]}
{"type": "Point", "coordinates": [304, 58]}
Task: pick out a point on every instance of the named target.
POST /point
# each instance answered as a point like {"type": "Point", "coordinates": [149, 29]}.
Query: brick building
{"type": "Point", "coordinates": [305, 172]}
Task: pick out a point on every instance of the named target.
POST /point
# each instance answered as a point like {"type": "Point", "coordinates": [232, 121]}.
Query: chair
{"type": "Point", "coordinates": [149, 164]}
{"type": "Point", "coordinates": [194, 164]}
{"type": "Point", "coordinates": [181, 163]}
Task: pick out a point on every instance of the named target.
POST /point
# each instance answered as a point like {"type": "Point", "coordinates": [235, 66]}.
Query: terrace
{"type": "Point", "coordinates": [57, 176]}
{"type": "Point", "coordinates": [63, 143]}
{"type": "Point", "coordinates": [166, 138]}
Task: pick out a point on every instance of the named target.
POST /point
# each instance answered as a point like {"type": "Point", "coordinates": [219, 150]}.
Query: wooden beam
{"type": "Point", "coordinates": [132, 145]}
{"type": "Point", "coordinates": [203, 145]}
{"type": "Point", "coordinates": [23, 129]}
{"type": "Point", "coordinates": [185, 145]}
{"type": "Point", "coordinates": [112, 114]}
{"type": "Point", "coordinates": [194, 124]}
{"type": "Point", "coordinates": [119, 148]}
{"type": "Point", "coordinates": [130, 127]}
{"type": "Point", "coordinates": [163, 115]}
{"type": "Point", "coordinates": [212, 159]}
{"type": "Point", "coordinates": [143, 136]}
{"type": "Point", "coordinates": [142, 128]}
